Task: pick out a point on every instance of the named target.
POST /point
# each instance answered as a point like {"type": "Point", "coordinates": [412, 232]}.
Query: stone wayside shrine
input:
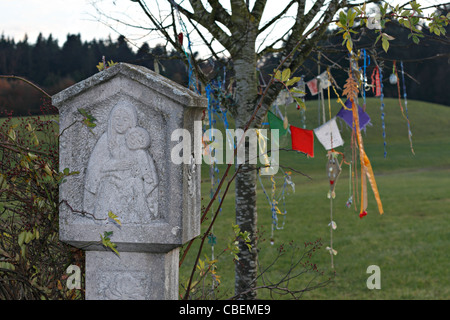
{"type": "Point", "coordinates": [124, 164]}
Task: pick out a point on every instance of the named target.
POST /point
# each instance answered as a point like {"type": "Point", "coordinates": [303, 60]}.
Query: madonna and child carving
{"type": "Point", "coordinates": [121, 176]}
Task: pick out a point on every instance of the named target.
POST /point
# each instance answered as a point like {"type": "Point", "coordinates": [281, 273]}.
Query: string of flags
{"type": "Point", "coordinates": [328, 133]}
{"type": "Point", "coordinates": [302, 139]}
{"type": "Point", "coordinates": [329, 136]}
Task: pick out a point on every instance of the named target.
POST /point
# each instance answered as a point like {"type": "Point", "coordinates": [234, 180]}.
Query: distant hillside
{"type": "Point", "coordinates": [429, 125]}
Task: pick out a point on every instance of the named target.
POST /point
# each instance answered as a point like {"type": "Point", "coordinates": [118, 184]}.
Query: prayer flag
{"type": "Point", "coordinates": [328, 134]}
{"type": "Point", "coordinates": [324, 82]}
{"type": "Point", "coordinates": [302, 140]}
{"type": "Point", "coordinates": [347, 115]}
{"type": "Point", "coordinates": [276, 123]}
{"type": "Point", "coordinates": [312, 86]}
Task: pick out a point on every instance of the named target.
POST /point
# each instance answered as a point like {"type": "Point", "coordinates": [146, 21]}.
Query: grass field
{"type": "Point", "coordinates": [409, 242]}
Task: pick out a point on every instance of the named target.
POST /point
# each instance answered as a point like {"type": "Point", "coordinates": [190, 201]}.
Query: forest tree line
{"type": "Point", "coordinates": [54, 67]}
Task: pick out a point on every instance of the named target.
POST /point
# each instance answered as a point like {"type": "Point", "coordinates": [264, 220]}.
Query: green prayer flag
{"type": "Point", "coordinates": [276, 123]}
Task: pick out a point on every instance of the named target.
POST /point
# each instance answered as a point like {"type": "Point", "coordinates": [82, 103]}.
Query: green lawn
{"type": "Point", "coordinates": [409, 242]}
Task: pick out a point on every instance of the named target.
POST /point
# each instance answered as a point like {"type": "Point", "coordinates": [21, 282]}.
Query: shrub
{"type": "Point", "coordinates": [33, 261]}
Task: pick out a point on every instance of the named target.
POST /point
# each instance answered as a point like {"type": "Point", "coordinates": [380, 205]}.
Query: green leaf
{"type": "Point", "coordinates": [297, 90]}
{"type": "Point", "coordinates": [88, 118]}
{"type": "Point", "coordinates": [114, 217]}
{"type": "Point", "coordinates": [7, 265]}
{"type": "Point", "coordinates": [285, 75]}
{"type": "Point", "coordinates": [100, 66]}
{"type": "Point", "coordinates": [292, 81]}
{"type": "Point", "coordinates": [378, 38]}
{"type": "Point", "coordinates": [23, 251]}
{"type": "Point", "coordinates": [28, 237]}
{"type": "Point", "coordinates": [384, 8]}
{"type": "Point", "coordinates": [21, 238]}
{"type": "Point", "coordinates": [388, 37]}
{"type": "Point", "coordinates": [405, 13]}
{"type": "Point", "coordinates": [340, 26]}
{"type": "Point", "coordinates": [89, 124]}
{"type": "Point", "coordinates": [415, 6]}
{"type": "Point", "coordinates": [385, 44]}
{"type": "Point", "coordinates": [12, 134]}
{"type": "Point", "coordinates": [83, 112]}
{"type": "Point", "coordinates": [107, 234]}
{"type": "Point", "coordinates": [342, 18]}
{"type": "Point", "coordinates": [349, 44]}
{"type": "Point", "coordinates": [201, 264]}
{"type": "Point", "coordinates": [351, 14]}
{"type": "Point", "coordinates": [106, 242]}
{"type": "Point", "coordinates": [87, 115]}
{"type": "Point", "coordinates": [32, 156]}
{"type": "Point", "coordinates": [407, 24]}
{"type": "Point", "coordinates": [300, 102]}
{"type": "Point", "coordinates": [278, 75]}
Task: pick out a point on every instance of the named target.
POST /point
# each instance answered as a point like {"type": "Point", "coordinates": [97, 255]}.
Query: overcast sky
{"type": "Point", "coordinates": [56, 17]}
{"type": "Point", "coordinates": [60, 17]}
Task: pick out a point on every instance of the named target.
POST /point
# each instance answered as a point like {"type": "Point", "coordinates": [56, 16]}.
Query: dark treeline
{"type": "Point", "coordinates": [55, 67]}
{"type": "Point", "coordinates": [426, 65]}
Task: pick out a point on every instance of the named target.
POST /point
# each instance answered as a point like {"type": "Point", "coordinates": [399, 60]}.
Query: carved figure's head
{"type": "Point", "coordinates": [137, 138]}
{"type": "Point", "coordinates": [123, 117]}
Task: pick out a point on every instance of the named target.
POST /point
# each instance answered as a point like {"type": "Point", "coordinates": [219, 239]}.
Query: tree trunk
{"type": "Point", "coordinates": [246, 214]}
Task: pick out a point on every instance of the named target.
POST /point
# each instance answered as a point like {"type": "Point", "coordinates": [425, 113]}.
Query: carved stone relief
{"type": "Point", "coordinates": [121, 176]}
{"type": "Point", "coordinates": [123, 286]}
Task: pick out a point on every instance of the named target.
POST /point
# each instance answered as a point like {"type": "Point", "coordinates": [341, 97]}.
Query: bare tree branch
{"type": "Point", "coordinates": [277, 17]}
{"type": "Point", "coordinates": [207, 20]}
{"type": "Point", "coordinates": [258, 9]}
{"type": "Point", "coordinates": [26, 81]}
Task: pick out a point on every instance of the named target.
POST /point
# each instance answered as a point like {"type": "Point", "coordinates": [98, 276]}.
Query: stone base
{"type": "Point", "coordinates": [132, 275]}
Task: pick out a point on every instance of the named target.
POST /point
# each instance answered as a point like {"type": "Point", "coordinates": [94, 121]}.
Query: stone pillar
{"type": "Point", "coordinates": [124, 164]}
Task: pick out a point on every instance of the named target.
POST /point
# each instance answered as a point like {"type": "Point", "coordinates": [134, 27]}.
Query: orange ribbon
{"type": "Point", "coordinates": [366, 168]}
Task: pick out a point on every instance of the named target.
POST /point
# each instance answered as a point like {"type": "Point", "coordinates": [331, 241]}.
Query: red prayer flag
{"type": "Point", "coordinates": [312, 85]}
{"type": "Point", "coordinates": [303, 140]}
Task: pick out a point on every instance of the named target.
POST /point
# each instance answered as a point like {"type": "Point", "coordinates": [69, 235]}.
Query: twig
{"type": "Point", "coordinates": [10, 146]}
{"type": "Point", "coordinates": [28, 82]}
{"type": "Point", "coordinates": [210, 225]}
{"type": "Point", "coordinates": [82, 212]}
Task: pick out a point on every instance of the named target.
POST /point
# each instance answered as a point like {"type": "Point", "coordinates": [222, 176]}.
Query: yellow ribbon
{"type": "Point", "coordinates": [366, 167]}
{"type": "Point", "coordinates": [274, 202]}
{"type": "Point", "coordinates": [262, 149]}
{"type": "Point", "coordinates": [335, 92]}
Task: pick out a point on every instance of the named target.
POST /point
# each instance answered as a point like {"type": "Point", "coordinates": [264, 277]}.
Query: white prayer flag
{"type": "Point", "coordinates": [328, 134]}
{"type": "Point", "coordinates": [324, 81]}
